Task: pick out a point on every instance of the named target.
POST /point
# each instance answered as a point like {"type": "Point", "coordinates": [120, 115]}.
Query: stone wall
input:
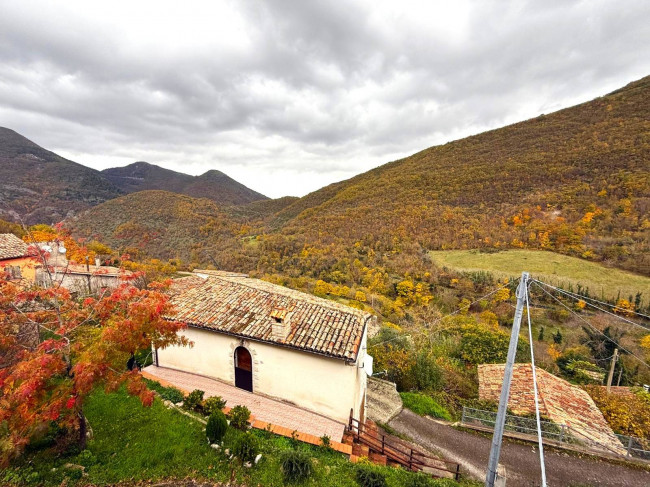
{"type": "Point", "coordinates": [383, 402]}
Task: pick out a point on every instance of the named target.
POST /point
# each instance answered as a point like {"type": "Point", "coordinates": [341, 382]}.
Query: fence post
{"type": "Point", "coordinates": [462, 420]}
{"type": "Point", "coordinates": [457, 476]}
{"type": "Point", "coordinates": [629, 446]}
{"type": "Point", "coordinates": [561, 433]}
{"type": "Point", "coordinates": [411, 460]}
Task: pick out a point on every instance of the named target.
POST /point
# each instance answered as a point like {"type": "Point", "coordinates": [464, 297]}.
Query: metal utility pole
{"type": "Point", "coordinates": [611, 370]}
{"type": "Point", "coordinates": [505, 388]}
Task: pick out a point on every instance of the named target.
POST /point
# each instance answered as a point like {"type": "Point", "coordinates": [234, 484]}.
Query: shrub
{"type": "Point", "coordinates": [239, 416]}
{"type": "Point", "coordinates": [419, 480]}
{"type": "Point", "coordinates": [216, 427]}
{"type": "Point", "coordinates": [212, 404]}
{"type": "Point", "coordinates": [296, 466]}
{"type": "Point", "coordinates": [193, 400]}
{"type": "Point", "coordinates": [480, 344]}
{"type": "Point", "coordinates": [424, 405]}
{"type": "Point", "coordinates": [369, 477]}
{"type": "Point", "coordinates": [426, 373]}
{"type": "Point", "coordinates": [444, 483]}
{"type": "Point", "coordinates": [626, 414]}
{"type": "Point", "coordinates": [246, 447]}
{"type": "Point", "coordinates": [170, 393]}
{"type": "Point", "coordinates": [86, 458]}
{"type": "Point", "coordinates": [326, 442]}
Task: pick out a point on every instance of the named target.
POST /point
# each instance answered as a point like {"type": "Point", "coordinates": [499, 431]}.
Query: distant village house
{"type": "Point", "coordinates": [16, 261]}
{"type": "Point", "coordinates": [273, 341]}
{"type": "Point", "coordinates": [81, 278]}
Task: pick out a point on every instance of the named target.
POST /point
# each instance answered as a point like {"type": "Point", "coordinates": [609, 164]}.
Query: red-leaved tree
{"type": "Point", "coordinates": [55, 349]}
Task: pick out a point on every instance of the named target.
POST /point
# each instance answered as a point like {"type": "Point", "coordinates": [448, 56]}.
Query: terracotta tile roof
{"type": "Point", "coordinates": [241, 306]}
{"type": "Point", "coordinates": [93, 270]}
{"type": "Point", "coordinates": [182, 284]}
{"type": "Point", "coordinates": [11, 246]}
{"type": "Point", "coordinates": [560, 401]}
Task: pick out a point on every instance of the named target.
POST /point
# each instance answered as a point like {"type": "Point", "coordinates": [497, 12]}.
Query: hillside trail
{"type": "Point", "coordinates": [521, 461]}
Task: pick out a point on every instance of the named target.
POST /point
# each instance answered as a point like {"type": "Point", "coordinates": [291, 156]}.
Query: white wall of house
{"type": "Point", "coordinates": [321, 384]}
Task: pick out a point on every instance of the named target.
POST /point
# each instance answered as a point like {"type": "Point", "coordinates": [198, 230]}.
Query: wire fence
{"type": "Point", "coordinates": [516, 424]}
{"type": "Point", "coordinates": [635, 447]}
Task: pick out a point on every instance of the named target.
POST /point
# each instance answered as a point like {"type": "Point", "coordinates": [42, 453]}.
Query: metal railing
{"type": "Point", "coordinates": [636, 447]}
{"type": "Point", "coordinates": [561, 433]}
{"type": "Point", "coordinates": [517, 424]}
{"type": "Point", "coordinates": [398, 452]}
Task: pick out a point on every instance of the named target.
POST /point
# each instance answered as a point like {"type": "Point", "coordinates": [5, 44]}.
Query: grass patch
{"type": "Point", "coordinates": [134, 444]}
{"type": "Point", "coordinates": [424, 405]}
{"type": "Point", "coordinates": [548, 267]}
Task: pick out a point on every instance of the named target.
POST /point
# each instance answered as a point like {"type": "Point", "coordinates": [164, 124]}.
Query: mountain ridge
{"type": "Point", "coordinates": [213, 184]}
{"type": "Point", "coordinates": [575, 181]}
{"type": "Point", "coordinates": [40, 186]}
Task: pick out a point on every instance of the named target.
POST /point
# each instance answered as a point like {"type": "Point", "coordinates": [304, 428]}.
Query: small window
{"type": "Point", "coordinates": [13, 272]}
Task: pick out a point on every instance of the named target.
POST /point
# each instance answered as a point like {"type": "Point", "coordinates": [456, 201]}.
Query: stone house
{"type": "Point", "coordinates": [272, 341]}
{"type": "Point", "coordinates": [560, 401]}
{"type": "Point", "coordinates": [16, 260]}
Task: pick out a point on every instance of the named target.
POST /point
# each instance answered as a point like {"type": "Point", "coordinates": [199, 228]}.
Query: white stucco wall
{"type": "Point", "coordinates": [324, 385]}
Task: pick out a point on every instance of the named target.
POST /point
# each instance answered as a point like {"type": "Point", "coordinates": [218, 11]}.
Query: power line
{"type": "Point", "coordinates": [586, 300]}
{"type": "Point", "coordinates": [532, 365]}
{"type": "Point", "coordinates": [593, 327]}
{"type": "Point", "coordinates": [467, 306]}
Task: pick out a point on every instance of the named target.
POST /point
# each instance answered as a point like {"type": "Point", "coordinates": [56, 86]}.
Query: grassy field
{"type": "Point", "coordinates": [549, 267]}
{"type": "Point", "coordinates": [133, 444]}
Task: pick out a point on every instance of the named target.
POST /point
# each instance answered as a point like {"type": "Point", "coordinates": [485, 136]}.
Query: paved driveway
{"type": "Point", "coordinates": [522, 461]}
{"type": "Point", "coordinates": [263, 408]}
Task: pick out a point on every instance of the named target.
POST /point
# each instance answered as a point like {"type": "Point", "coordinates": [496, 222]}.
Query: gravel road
{"type": "Point", "coordinates": [521, 461]}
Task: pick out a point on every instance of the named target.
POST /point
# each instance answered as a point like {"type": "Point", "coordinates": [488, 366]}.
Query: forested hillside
{"type": "Point", "coordinates": [576, 181]}
{"type": "Point", "coordinates": [38, 186]}
{"type": "Point", "coordinates": [215, 185]}
{"type": "Point", "coordinates": [158, 224]}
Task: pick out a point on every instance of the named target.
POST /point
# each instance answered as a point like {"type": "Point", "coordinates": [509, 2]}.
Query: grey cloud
{"type": "Point", "coordinates": [328, 89]}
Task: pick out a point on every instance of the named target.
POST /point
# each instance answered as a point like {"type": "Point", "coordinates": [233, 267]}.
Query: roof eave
{"type": "Point", "coordinates": [349, 360]}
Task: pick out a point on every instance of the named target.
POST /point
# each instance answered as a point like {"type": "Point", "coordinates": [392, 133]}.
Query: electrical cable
{"type": "Point", "coordinates": [467, 306]}
{"type": "Point", "coordinates": [593, 327]}
{"type": "Point", "coordinates": [532, 364]}
{"type": "Point", "coordinates": [584, 299]}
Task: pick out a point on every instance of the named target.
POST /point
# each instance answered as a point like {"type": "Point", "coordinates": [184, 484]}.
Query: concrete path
{"type": "Point", "coordinates": [521, 461]}
{"type": "Point", "coordinates": [263, 408]}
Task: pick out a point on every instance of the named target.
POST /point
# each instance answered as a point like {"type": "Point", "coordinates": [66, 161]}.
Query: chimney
{"type": "Point", "coordinates": [280, 327]}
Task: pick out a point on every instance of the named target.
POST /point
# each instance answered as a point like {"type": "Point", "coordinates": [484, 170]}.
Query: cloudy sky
{"type": "Point", "coordinates": [288, 96]}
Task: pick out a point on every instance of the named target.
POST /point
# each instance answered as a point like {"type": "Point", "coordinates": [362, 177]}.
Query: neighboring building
{"type": "Point", "coordinates": [271, 340]}
{"type": "Point", "coordinates": [560, 401]}
{"type": "Point", "coordinates": [83, 279]}
{"type": "Point", "coordinates": [16, 261]}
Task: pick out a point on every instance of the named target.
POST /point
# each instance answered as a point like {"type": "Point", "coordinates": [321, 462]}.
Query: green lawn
{"type": "Point", "coordinates": [424, 405]}
{"type": "Point", "coordinates": [549, 267]}
{"type": "Point", "coordinates": [132, 443]}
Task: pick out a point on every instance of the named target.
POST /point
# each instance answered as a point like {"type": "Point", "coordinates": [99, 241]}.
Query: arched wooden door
{"type": "Point", "coordinates": [243, 369]}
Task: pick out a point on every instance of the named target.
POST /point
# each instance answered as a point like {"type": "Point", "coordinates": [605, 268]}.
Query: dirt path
{"type": "Point", "coordinates": [521, 461]}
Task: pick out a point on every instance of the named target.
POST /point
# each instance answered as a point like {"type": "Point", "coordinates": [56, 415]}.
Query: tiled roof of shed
{"type": "Point", "coordinates": [11, 246]}
{"type": "Point", "coordinates": [241, 306]}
